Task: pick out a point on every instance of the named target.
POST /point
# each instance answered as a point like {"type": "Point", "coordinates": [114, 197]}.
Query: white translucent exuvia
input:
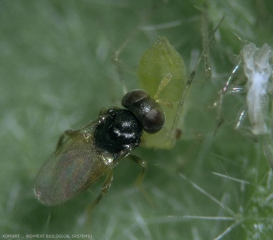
{"type": "Point", "coordinates": [258, 70]}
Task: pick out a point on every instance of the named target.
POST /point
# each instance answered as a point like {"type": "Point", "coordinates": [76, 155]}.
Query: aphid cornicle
{"type": "Point", "coordinates": [95, 149]}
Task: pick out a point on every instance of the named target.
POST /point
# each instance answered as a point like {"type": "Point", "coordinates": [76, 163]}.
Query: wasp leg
{"type": "Point", "coordinates": [72, 133]}
{"type": "Point", "coordinates": [144, 168]}
{"type": "Point", "coordinates": [67, 133]}
{"type": "Point", "coordinates": [139, 180]}
{"type": "Point", "coordinates": [106, 186]}
{"type": "Point", "coordinates": [60, 142]}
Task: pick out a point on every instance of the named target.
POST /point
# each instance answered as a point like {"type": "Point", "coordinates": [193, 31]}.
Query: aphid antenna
{"type": "Point", "coordinates": [115, 56]}
{"type": "Point", "coordinates": [205, 39]}
{"type": "Point", "coordinates": [241, 40]}
{"type": "Point", "coordinates": [190, 80]}
{"type": "Point", "coordinates": [116, 61]}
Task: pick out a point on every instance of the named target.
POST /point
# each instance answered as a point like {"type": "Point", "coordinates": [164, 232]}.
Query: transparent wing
{"type": "Point", "coordinates": [69, 171]}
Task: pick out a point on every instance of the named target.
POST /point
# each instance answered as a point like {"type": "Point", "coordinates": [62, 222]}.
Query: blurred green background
{"type": "Point", "coordinates": [56, 74]}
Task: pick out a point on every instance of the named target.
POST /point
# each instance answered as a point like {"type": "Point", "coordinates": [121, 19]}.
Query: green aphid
{"type": "Point", "coordinates": [160, 60]}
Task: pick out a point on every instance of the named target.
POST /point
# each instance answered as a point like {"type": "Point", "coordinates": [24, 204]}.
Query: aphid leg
{"type": "Point", "coordinates": [241, 119]}
{"type": "Point", "coordinates": [244, 132]}
{"type": "Point", "coordinates": [116, 55]}
{"type": "Point", "coordinates": [164, 82]}
{"type": "Point", "coordinates": [189, 82]}
{"type": "Point", "coordinates": [267, 144]}
{"type": "Point", "coordinates": [226, 90]}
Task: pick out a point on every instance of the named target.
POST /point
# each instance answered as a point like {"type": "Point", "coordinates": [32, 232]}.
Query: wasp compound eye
{"type": "Point", "coordinates": [146, 110]}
